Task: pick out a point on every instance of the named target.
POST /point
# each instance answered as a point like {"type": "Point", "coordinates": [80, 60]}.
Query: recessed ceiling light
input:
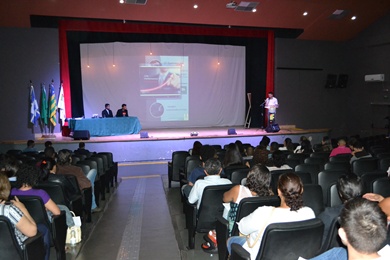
{"type": "Point", "coordinates": [305, 13]}
{"type": "Point", "coordinates": [121, 1]}
{"type": "Point", "coordinates": [195, 6]}
{"type": "Point", "coordinates": [353, 17]}
{"type": "Point", "coordinates": [254, 10]}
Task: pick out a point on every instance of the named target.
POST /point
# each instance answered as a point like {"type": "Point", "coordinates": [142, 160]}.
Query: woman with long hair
{"type": "Point", "coordinates": [290, 190]}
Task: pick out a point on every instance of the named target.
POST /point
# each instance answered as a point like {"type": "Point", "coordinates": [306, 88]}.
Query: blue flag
{"type": "Point", "coordinates": [34, 109]}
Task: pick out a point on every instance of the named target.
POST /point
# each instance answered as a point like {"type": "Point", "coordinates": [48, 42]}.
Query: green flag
{"type": "Point", "coordinates": [52, 106]}
{"type": "Point", "coordinates": [44, 116]}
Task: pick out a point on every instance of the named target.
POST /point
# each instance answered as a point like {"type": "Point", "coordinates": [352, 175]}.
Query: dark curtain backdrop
{"type": "Point", "coordinates": [259, 55]}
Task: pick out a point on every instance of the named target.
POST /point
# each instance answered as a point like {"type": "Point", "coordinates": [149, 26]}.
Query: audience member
{"type": "Point", "coordinates": [326, 145]}
{"type": "Point", "coordinates": [265, 141]}
{"type": "Point", "coordinates": [260, 155]}
{"type": "Point", "coordinates": [340, 149]}
{"type": "Point", "coordinates": [50, 152]}
{"type": "Point", "coordinates": [233, 156]}
{"type": "Point", "coordinates": [81, 150]}
{"type": "Point", "coordinates": [21, 220]}
{"type": "Point", "coordinates": [299, 147]}
{"type": "Point", "coordinates": [358, 152]}
{"type": "Point", "coordinates": [278, 162]}
{"type": "Point", "coordinates": [274, 147]}
{"type": "Point", "coordinates": [240, 147]}
{"type": "Point", "coordinates": [363, 230]}
{"type": "Point", "coordinates": [348, 186]}
{"type": "Point", "coordinates": [305, 147]}
{"type": "Point", "coordinates": [196, 148]}
{"type": "Point", "coordinates": [48, 144]}
{"type": "Point", "coordinates": [213, 170]}
{"type": "Point", "coordinates": [290, 189]}
{"type": "Point", "coordinates": [30, 147]}
{"type": "Point", "coordinates": [287, 145]}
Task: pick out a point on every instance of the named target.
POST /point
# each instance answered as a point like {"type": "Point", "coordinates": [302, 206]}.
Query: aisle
{"type": "Point", "coordinates": [136, 224]}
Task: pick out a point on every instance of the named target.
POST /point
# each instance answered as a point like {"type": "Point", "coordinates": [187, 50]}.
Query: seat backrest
{"type": "Point", "coordinates": [305, 177]}
{"type": "Point", "coordinates": [75, 159]}
{"type": "Point", "coordinates": [105, 160]}
{"type": "Point", "coordinates": [383, 155]}
{"type": "Point", "coordinates": [341, 158]}
{"type": "Point", "coordinates": [331, 239]}
{"type": "Point", "coordinates": [337, 166]}
{"type": "Point", "coordinates": [369, 178]}
{"type": "Point", "coordinates": [82, 157]}
{"type": "Point", "coordinates": [361, 166]}
{"type": "Point", "coordinates": [316, 160]}
{"type": "Point", "coordinates": [211, 206]}
{"type": "Point", "coordinates": [9, 247]}
{"type": "Point", "coordinates": [84, 167]}
{"type": "Point", "coordinates": [313, 198]}
{"type": "Point", "coordinates": [325, 180]}
{"type": "Point", "coordinates": [36, 208]}
{"type": "Point", "coordinates": [311, 168]}
{"type": "Point", "coordinates": [110, 158]}
{"type": "Point", "coordinates": [230, 169]}
{"type": "Point", "coordinates": [248, 205]}
{"type": "Point", "coordinates": [324, 155]}
{"type": "Point", "coordinates": [300, 156]}
{"type": "Point", "coordinates": [191, 163]}
{"type": "Point", "coordinates": [286, 241]}
{"type": "Point", "coordinates": [384, 164]}
{"type": "Point", "coordinates": [293, 162]}
{"type": "Point", "coordinates": [334, 196]}
{"type": "Point", "coordinates": [238, 175]}
{"type": "Point", "coordinates": [55, 191]}
{"type": "Point", "coordinates": [99, 162]}
{"type": "Point", "coordinates": [382, 186]}
{"type": "Point", "coordinates": [178, 162]}
{"type": "Point", "coordinates": [275, 177]}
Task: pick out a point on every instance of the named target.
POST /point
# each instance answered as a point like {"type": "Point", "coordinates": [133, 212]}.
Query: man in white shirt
{"type": "Point", "coordinates": [212, 169]}
{"type": "Point", "coordinates": [271, 104]}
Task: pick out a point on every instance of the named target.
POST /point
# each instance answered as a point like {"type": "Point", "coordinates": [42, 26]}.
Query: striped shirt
{"type": "Point", "coordinates": [14, 214]}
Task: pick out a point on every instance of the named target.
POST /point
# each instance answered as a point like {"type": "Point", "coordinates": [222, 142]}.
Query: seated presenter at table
{"type": "Point", "coordinates": [107, 111]}
{"type": "Point", "coordinates": [122, 112]}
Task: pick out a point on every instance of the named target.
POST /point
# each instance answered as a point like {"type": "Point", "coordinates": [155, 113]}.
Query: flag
{"type": "Point", "coordinates": [61, 105]}
{"type": "Point", "coordinates": [52, 105]}
{"type": "Point", "coordinates": [44, 115]}
{"type": "Point", "coordinates": [34, 109]}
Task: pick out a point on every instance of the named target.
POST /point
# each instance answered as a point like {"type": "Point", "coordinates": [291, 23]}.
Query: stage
{"type": "Point", "coordinates": [162, 142]}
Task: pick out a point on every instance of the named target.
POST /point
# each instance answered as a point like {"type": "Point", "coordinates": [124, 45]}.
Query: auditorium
{"type": "Point", "coordinates": [148, 99]}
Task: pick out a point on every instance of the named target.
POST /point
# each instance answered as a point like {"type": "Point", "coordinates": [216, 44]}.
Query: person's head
{"type": "Point", "coordinates": [259, 180]}
{"type": "Point", "coordinates": [289, 144]}
{"type": "Point", "coordinates": [265, 140]}
{"type": "Point", "coordinates": [48, 144]}
{"type": "Point", "coordinates": [341, 142]}
{"type": "Point", "coordinates": [5, 186]}
{"type": "Point", "coordinates": [302, 138]}
{"type": "Point", "coordinates": [124, 106]}
{"type": "Point", "coordinates": [27, 175]}
{"type": "Point", "coordinates": [325, 140]}
{"type": "Point", "coordinates": [306, 146]}
{"type": "Point", "coordinates": [287, 141]}
{"type": "Point", "coordinates": [363, 226]}
{"type": "Point", "coordinates": [81, 145]}
{"type": "Point", "coordinates": [64, 157]}
{"type": "Point", "coordinates": [212, 167]}
{"type": "Point", "coordinates": [30, 143]}
{"type": "Point", "coordinates": [358, 146]}
{"type": "Point", "coordinates": [207, 152]}
{"type": "Point", "coordinates": [290, 189]}
{"type": "Point", "coordinates": [47, 166]}
{"type": "Point", "coordinates": [349, 186]}
{"type": "Point", "coordinates": [107, 106]}
{"type": "Point", "coordinates": [196, 148]}
{"type": "Point", "coordinates": [50, 152]}
{"type": "Point", "coordinates": [249, 150]}
{"type": "Point", "coordinates": [352, 141]}
{"type": "Point", "coordinates": [278, 158]}
{"type": "Point", "coordinates": [270, 94]}
{"type": "Point", "coordinates": [10, 165]}
{"type": "Point", "coordinates": [274, 147]}
{"type": "Point", "coordinates": [240, 146]}
{"type": "Point", "coordinates": [232, 157]}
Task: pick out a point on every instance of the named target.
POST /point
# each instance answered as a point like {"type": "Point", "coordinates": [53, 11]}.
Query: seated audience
{"type": "Point", "coordinates": [348, 186]}
{"type": "Point", "coordinates": [301, 139]}
{"type": "Point", "coordinates": [196, 148]}
{"type": "Point", "coordinates": [213, 170]}
{"type": "Point", "coordinates": [206, 152]}
{"type": "Point", "coordinates": [363, 230]}
{"type": "Point", "coordinates": [249, 153]}
{"type": "Point", "coordinates": [287, 145]}
{"type": "Point", "coordinates": [290, 190]}
{"type": "Point", "coordinates": [340, 149]}
{"type": "Point", "coordinates": [358, 152]}
{"type": "Point", "coordinates": [21, 220]}
{"type": "Point", "coordinates": [326, 145]}
{"type": "Point", "coordinates": [48, 144]}
{"type": "Point", "coordinates": [260, 155]}
{"type": "Point", "coordinates": [82, 150]}
{"type": "Point", "coordinates": [50, 152]}
{"type": "Point", "coordinates": [232, 160]}
{"type": "Point", "coordinates": [278, 162]}
{"type": "Point", "coordinates": [257, 184]}
{"type": "Point", "coordinates": [30, 147]}
{"type": "Point", "coordinates": [305, 147]}
{"type": "Point", "coordinates": [64, 166]}
{"type": "Point", "coordinates": [265, 141]}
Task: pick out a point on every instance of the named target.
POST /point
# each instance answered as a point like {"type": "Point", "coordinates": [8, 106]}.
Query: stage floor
{"type": "Point", "coordinates": [162, 142]}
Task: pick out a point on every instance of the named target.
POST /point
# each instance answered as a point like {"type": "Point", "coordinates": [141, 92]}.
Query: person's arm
{"type": "Point", "coordinates": [26, 224]}
{"type": "Point", "coordinates": [193, 197]}
{"type": "Point", "coordinates": [254, 221]}
{"type": "Point", "coordinates": [52, 207]}
{"type": "Point", "coordinates": [232, 194]}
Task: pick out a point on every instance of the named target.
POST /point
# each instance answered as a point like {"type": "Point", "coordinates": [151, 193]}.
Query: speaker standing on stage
{"type": "Point", "coordinates": [107, 112]}
{"type": "Point", "coordinates": [271, 104]}
{"type": "Point", "coordinates": [122, 112]}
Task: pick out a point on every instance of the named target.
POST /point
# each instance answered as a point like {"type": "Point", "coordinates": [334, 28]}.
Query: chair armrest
{"type": "Point", "coordinates": [34, 247]}
{"type": "Point", "coordinates": [222, 229]}
{"type": "Point", "coordinates": [239, 253]}
{"type": "Point", "coordinates": [59, 229]}
{"type": "Point", "coordinates": [191, 213]}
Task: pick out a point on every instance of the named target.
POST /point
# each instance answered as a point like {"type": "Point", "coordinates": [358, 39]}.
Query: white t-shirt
{"type": "Point", "coordinates": [261, 218]}
{"type": "Point", "coordinates": [271, 104]}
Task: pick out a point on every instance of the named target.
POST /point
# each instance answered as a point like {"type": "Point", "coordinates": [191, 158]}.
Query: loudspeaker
{"type": "Point", "coordinates": [331, 81]}
{"type": "Point", "coordinates": [342, 81]}
{"type": "Point", "coordinates": [81, 135]}
{"type": "Point", "coordinates": [143, 134]}
{"type": "Point", "coordinates": [274, 128]}
{"type": "Point", "coordinates": [231, 131]}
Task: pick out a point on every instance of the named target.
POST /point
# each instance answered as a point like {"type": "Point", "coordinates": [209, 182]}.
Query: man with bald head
{"type": "Point", "coordinates": [340, 149]}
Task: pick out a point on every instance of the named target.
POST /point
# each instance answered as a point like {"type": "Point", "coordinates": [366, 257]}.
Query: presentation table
{"type": "Point", "coordinates": [107, 126]}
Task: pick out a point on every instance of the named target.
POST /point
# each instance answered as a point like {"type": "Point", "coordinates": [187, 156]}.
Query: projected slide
{"type": "Point", "coordinates": [164, 79]}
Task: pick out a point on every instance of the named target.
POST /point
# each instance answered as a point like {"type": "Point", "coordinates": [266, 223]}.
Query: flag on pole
{"type": "Point", "coordinates": [34, 109]}
{"type": "Point", "coordinates": [52, 105]}
{"type": "Point", "coordinates": [44, 114]}
{"type": "Point", "coordinates": [61, 105]}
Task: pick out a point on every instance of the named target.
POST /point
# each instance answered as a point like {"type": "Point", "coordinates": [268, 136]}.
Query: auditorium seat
{"type": "Point", "coordinates": [382, 186]}
{"type": "Point", "coordinates": [338, 166]}
{"type": "Point", "coordinates": [361, 166]}
{"type": "Point", "coordinates": [300, 156]}
{"type": "Point", "coordinates": [174, 166]}
{"type": "Point", "coordinates": [340, 158]}
{"type": "Point", "coordinates": [384, 164]}
{"type": "Point", "coordinates": [325, 180]}
{"type": "Point", "coordinates": [369, 178]}
{"type": "Point", "coordinates": [313, 198]}
{"type": "Point", "coordinates": [238, 175]}
{"type": "Point", "coordinates": [313, 169]}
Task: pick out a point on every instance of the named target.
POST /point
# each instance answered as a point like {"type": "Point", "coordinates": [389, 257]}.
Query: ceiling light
{"type": "Point", "coordinates": [121, 1]}
{"type": "Point", "coordinates": [195, 6]}
{"type": "Point", "coordinates": [254, 10]}
{"type": "Point", "coordinates": [305, 13]}
{"type": "Point", "coordinates": [353, 17]}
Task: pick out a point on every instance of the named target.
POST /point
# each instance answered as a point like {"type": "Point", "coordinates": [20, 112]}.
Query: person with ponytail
{"type": "Point", "coordinates": [290, 190]}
